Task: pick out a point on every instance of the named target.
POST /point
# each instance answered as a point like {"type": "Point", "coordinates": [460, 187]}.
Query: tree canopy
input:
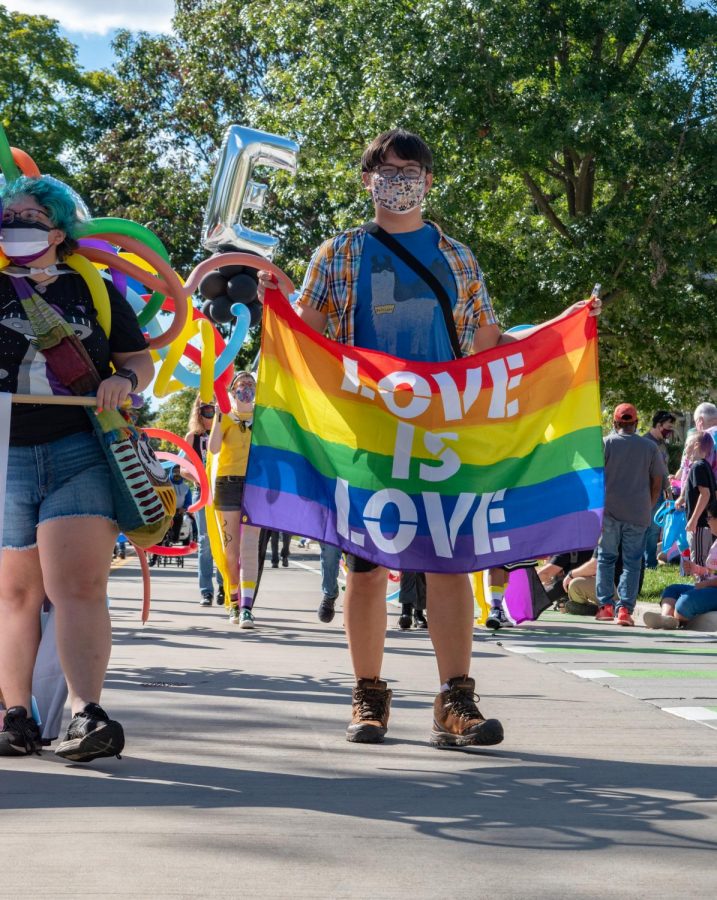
{"type": "Point", "coordinates": [46, 100]}
{"type": "Point", "coordinates": [574, 142]}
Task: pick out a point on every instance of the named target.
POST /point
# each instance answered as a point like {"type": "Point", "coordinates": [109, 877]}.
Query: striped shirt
{"type": "Point", "coordinates": [331, 283]}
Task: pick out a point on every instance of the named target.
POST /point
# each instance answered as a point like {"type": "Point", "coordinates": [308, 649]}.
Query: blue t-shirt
{"type": "Point", "coordinates": [396, 311]}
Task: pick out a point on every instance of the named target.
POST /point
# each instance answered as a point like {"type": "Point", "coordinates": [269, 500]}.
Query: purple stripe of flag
{"type": "Point", "coordinates": [298, 515]}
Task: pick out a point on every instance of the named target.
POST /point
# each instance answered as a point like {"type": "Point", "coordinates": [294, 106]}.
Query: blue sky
{"type": "Point", "coordinates": [90, 25]}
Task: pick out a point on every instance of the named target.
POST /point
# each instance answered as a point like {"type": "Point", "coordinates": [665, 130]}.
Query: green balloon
{"type": "Point", "coordinates": [7, 163]}
{"type": "Point", "coordinates": [98, 227]}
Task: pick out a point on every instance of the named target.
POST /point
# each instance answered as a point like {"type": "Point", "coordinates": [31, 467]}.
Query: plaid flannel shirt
{"type": "Point", "coordinates": [331, 283]}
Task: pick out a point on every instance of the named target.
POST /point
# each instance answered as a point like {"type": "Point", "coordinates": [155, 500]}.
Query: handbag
{"type": "Point", "coordinates": [673, 522]}
{"type": "Point", "coordinates": [145, 501]}
{"type": "Point", "coordinates": [143, 496]}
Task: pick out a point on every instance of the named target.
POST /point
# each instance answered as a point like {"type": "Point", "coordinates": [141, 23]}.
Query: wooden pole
{"type": "Point", "coordinates": [54, 399]}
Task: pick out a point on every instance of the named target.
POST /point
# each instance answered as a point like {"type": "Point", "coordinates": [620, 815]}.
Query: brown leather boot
{"type": "Point", "coordinates": [371, 704]}
{"type": "Point", "coordinates": [457, 721]}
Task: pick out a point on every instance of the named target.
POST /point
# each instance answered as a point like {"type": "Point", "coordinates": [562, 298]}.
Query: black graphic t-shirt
{"type": "Point", "coordinates": [23, 369]}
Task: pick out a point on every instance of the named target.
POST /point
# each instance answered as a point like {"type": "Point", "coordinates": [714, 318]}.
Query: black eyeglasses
{"type": "Point", "coordinates": [26, 216]}
{"type": "Point", "coordinates": [411, 171]}
{"type": "Point", "coordinates": [207, 411]}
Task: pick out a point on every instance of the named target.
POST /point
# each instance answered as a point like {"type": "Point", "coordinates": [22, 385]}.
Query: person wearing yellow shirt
{"type": "Point", "coordinates": [230, 439]}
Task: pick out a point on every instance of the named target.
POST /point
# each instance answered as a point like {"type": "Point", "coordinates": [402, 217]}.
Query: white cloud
{"type": "Point", "coordinates": [90, 17]}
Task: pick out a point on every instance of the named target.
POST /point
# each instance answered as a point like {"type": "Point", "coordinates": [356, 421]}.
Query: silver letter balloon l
{"type": "Point", "coordinates": [233, 191]}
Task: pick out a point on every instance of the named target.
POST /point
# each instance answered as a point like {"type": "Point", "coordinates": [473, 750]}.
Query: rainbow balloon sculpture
{"type": "Point", "coordinates": [118, 250]}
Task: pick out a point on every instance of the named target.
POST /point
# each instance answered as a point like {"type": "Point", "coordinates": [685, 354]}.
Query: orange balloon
{"type": "Point", "coordinates": [25, 163]}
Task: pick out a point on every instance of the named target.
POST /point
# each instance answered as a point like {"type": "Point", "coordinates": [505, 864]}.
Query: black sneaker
{"type": "Point", "coordinates": [575, 608]}
{"type": "Point", "coordinates": [20, 735]}
{"type": "Point", "coordinates": [220, 597]}
{"type": "Point", "coordinates": [419, 620]}
{"type": "Point", "coordinates": [497, 619]}
{"type": "Point", "coordinates": [206, 598]}
{"type": "Point", "coordinates": [326, 611]}
{"type": "Point", "coordinates": [90, 735]}
{"type": "Point", "coordinates": [405, 620]}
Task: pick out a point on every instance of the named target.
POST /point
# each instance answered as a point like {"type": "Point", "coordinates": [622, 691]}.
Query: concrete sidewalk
{"type": "Point", "coordinates": [237, 780]}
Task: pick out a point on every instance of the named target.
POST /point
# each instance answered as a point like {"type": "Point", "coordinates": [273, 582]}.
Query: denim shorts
{"type": "Point", "coordinates": [66, 477]}
{"type": "Point", "coordinates": [229, 493]}
{"type": "Point", "coordinates": [690, 602]}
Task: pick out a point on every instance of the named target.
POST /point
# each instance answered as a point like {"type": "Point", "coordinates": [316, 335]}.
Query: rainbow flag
{"type": "Point", "coordinates": [439, 467]}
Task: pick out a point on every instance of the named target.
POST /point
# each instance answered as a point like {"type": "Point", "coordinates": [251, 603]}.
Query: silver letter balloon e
{"type": "Point", "coordinates": [233, 191]}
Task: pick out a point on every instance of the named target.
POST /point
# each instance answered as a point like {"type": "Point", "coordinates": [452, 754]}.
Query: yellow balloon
{"type": "Point", "coordinates": [98, 289]}
{"type": "Point", "coordinates": [482, 608]}
{"type": "Point", "coordinates": [162, 385]}
{"type": "Point", "coordinates": [214, 531]}
{"type": "Point", "coordinates": [206, 378]}
{"type": "Point", "coordinates": [143, 264]}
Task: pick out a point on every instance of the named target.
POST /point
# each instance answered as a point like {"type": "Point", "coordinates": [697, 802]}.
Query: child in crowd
{"type": "Point", "coordinates": [698, 492]}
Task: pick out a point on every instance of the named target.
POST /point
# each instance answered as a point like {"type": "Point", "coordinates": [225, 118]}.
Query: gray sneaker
{"type": "Point", "coordinates": [246, 619]}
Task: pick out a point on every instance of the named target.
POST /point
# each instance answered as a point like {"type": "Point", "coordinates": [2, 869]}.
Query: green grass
{"type": "Point", "coordinates": [658, 579]}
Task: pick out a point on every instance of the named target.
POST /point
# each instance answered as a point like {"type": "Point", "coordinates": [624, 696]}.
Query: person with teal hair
{"type": "Point", "coordinates": [59, 518]}
{"type": "Point", "coordinates": [54, 196]}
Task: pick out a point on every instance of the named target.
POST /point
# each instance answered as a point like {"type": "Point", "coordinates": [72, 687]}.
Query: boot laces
{"type": "Point", "coordinates": [463, 703]}
{"type": "Point", "coordinates": [371, 704]}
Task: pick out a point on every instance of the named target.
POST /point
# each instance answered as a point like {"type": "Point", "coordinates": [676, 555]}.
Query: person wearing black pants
{"type": "Point", "coordinates": [285, 541]}
{"type": "Point", "coordinates": [412, 597]}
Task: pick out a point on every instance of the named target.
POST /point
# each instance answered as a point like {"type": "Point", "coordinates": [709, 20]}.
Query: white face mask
{"type": "Point", "coordinates": [398, 194]}
{"type": "Point", "coordinates": [22, 243]}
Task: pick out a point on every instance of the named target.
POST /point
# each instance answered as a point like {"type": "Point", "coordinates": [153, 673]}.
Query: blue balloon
{"type": "Point", "coordinates": [226, 357]}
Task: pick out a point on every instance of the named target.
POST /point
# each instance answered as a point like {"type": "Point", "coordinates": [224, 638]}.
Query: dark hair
{"type": "Point", "coordinates": [404, 144]}
{"type": "Point", "coordinates": [712, 509]}
{"type": "Point", "coordinates": [663, 415]}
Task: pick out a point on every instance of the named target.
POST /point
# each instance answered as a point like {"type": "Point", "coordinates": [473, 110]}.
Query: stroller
{"type": "Point", "coordinates": [182, 533]}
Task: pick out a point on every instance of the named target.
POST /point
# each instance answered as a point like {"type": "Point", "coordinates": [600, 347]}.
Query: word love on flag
{"type": "Point", "coordinates": [443, 467]}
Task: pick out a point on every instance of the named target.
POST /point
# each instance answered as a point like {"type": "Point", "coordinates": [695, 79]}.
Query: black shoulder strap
{"type": "Point", "coordinates": [388, 240]}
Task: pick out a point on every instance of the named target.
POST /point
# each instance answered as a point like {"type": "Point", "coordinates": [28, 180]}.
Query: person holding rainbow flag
{"type": "Point", "coordinates": [366, 287]}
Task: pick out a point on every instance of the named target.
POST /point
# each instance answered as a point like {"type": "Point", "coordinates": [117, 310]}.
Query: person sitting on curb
{"type": "Point", "coordinates": [579, 585]}
{"type": "Point", "coordinates": [683, 602]}
{"type": "Point", "coordinates": [552, 574]}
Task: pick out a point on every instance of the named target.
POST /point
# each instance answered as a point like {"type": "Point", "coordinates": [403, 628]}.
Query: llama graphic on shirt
{"type": "Point", "coordinates": [399, 310]}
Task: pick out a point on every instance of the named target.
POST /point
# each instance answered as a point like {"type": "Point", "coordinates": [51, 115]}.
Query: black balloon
{"type": "Point", "coordinates": [221, 310]}
{"type": "Point", "coordinates": [230, 271]}
{"type": "Point", "coordinates": [242, 288]}
{"type": "Point", "coordinates": [212, 285]}
{"type": "Point", "coordinates": [256, 310]}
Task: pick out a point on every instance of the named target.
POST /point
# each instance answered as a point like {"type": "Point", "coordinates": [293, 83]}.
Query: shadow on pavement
{"type": "Point", "coordinates": [514, 800]}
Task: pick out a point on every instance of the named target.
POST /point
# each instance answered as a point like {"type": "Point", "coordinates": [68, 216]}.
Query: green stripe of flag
{"type": "Point", "coordinates": [573, 452]}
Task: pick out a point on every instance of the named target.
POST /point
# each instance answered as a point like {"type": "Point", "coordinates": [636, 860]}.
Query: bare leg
{"type": "Point", "coordinates": [231, 537]}
{"type": "Point", "coordinates": [365, 620]}
{"type": "Point", "coordinates": [450, 623]}
{"type": "Point", "coordinates": [75, 554]}
{"type": "Point", "coordinates": [21, 595]}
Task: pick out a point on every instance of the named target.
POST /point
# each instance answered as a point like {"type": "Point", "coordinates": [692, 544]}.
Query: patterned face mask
{"type": "Point", "coordinates": [245, 391]}
{"type": "Point", "coordinates": [398, 194]}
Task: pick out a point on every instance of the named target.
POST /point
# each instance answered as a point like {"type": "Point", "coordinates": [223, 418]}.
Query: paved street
{"type": "Point", "coordinates": [237, 780]}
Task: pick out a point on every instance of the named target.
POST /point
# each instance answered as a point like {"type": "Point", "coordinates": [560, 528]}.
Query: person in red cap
{"type": "Point", "coordinates": [634, 473]}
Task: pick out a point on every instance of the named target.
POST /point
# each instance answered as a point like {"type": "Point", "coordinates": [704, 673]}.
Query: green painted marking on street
{"type": "Point", "coordinates": [695, 674]}
{"type": "Point", "coordinates": [660, 651]}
